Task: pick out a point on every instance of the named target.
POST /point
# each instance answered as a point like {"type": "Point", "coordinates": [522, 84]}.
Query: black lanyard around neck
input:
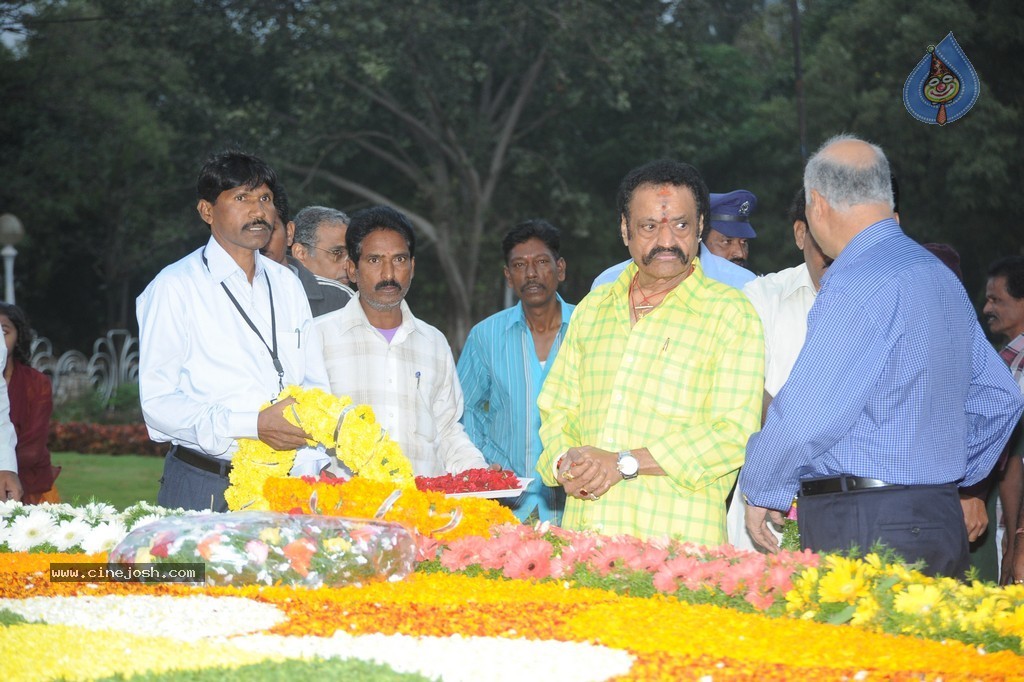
{"type": "Point", "coordinates": [273, 324]}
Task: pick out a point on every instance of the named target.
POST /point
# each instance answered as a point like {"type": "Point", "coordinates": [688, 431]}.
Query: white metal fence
{"type": "Point", "coordinates": [114, 361]}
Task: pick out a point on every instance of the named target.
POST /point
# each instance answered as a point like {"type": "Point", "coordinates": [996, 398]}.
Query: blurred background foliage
{"type": "Point", "coordinates": [469, 117]}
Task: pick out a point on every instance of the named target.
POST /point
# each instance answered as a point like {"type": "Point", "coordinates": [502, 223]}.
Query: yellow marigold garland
{"type": "Point", "coordinates": [360, 443]}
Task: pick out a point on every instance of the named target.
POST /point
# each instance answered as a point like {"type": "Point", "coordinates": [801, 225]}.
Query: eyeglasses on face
{"type": "Point", "coordinates": [336, 255]}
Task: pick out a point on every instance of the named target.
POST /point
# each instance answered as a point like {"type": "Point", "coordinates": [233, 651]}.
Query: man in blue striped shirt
{"type": "Point", "coordinates": [507, 357]}
{"type": "Point", "coordinates": [896, 400]}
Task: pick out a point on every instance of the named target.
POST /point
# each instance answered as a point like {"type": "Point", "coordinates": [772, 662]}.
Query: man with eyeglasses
{"type": "Point", "coordinates": [318, 243]}
{"type": "Point", "coordinates": [315, 254]}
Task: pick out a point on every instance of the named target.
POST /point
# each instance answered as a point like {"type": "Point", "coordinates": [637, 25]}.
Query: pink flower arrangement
{"type": "Point", "coordinates": [545, 552]}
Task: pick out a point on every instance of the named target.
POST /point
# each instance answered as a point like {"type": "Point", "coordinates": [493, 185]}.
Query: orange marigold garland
{"type": "Point", "coordinates": [425, 512]}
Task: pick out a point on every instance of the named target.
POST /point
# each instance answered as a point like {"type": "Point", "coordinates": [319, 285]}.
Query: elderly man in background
{"type": "Point", "coordinates": [379, 354]}
{"type": "Point", "coordinates": [317, 238]}
{"type": "Point", "coordinates": [313, 237]}
{"type": "Point", "coordinates": [658, 383]}
{"type": "Point", "coordinates": [896, 399]}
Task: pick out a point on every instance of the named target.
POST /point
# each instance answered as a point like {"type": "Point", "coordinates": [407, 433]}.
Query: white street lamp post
{"type": "Point", "coordinates": [11, 232]}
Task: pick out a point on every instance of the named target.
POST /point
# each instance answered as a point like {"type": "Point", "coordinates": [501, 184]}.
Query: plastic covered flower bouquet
{"type": "Point", "coordinates": [267, 548]}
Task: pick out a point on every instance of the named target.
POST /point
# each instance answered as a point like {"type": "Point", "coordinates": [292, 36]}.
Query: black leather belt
{"type": "Point", "coordinates": [839, 484]}
{"type": "Point", "coordinates": [201, 460]}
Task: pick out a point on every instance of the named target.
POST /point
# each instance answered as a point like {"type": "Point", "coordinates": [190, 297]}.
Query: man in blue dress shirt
{"type": "Point", "coordinates": [896, 400]}
{"type": "Point", "coordinates": [507, 357]}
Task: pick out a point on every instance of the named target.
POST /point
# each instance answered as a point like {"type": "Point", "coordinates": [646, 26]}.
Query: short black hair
{"type": "Point", "coordinates": [375, 218]}
{"type": "Point", "coordinates": [665, 172]}
{"type": "Point", "coordinates": [535, 228]}
{"type": "Point", "coordinates": [798, 207]}
{"type": "Point", "coordinates": [232, 168]}
{"type": "Point", "coordinates": [23, 346]}
{"type": "Point", "coordinates": [1012, 268]}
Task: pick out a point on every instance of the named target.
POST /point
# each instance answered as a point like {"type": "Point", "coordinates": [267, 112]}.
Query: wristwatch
{"type": "Point", "coordinates": [627, 465]}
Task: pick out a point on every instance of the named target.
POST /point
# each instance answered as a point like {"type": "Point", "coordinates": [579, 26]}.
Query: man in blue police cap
{"type": "Point", "coordinates": [730, 226]}
{"type": "Point", "coordinates": [725, 210]}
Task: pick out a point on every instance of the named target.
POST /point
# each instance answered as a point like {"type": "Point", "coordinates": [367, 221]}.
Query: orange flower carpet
{"type": "Point", "coordinates": [448, 626]}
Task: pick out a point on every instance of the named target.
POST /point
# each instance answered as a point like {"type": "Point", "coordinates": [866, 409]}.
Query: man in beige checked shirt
{"type": "Point", "coordinates": [380, 355]}
{"type": "Point", "coordinates": [646, 412]}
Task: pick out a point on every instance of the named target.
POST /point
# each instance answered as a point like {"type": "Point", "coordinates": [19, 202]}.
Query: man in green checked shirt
{"type": "Point", "coordinates": [646, 412]}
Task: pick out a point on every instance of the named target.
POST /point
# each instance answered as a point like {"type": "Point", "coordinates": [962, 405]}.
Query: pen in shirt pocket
{"type": "Point", "coordinates": [298, 338]}
{"type": "Point", "coordinates": [665, 346]}
{"type": "Point", "coordinates": [417, 381]}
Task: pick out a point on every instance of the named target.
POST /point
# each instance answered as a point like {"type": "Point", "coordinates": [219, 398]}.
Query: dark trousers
{"type": "Point", "coordinates": [920, 523]}
{"type": "Point", "coordinates": [189, 487]}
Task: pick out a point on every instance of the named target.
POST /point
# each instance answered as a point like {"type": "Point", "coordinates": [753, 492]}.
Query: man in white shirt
{"type": "Point", "coordinates": [10, 484]}
{"type": "Point", "coordinates": [379, 354]}
{"type": "Point", "coordinates": [221, 332]}
{"type": "Point", "coordinates": [782, 300]}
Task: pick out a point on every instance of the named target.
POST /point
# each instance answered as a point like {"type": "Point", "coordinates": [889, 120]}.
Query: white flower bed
{"type": "Point", "coordinates": [95, 527]}
{"type": "Point", "coordinates": [186, 618]}
{"type": "Point", "coordinates": [229, 620]}
{"type": "Point", "coordinates": [455, 658]}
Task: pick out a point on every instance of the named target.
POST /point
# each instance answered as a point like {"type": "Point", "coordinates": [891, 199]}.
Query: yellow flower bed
{"type": "Point", "coordinates": [31, 653]}
{"type": "Point", "coordinates": [887, 597]}
{"type": "Point", "coordinates": [671, 640]}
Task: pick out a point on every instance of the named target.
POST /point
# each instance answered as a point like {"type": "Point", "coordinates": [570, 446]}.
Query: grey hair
{"type": "Point", "coordinates": [310, 218]}
{"type": "Point", "coordinates": [843, 184]}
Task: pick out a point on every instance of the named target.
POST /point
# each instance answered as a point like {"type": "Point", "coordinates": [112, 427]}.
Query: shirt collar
{"type": "Point", "coordinates": [865, 240]}
{"type": "Point", "coordinates": [353, 315]}
{"type": "Point", "coordinates": [519, 317]}
{"type": "Point", "coordinates": [801, 279]}
{"type": "Point", "coordinates": [222, 265]}
{"type": "Point", "coordinates": [694, 283]}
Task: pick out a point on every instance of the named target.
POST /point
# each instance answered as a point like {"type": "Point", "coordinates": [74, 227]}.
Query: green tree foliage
{"type": "Point", "coordinates": [470, 117]}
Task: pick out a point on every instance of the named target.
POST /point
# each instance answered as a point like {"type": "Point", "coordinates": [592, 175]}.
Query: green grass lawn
{"type": "Point", "coordinates": [120, 480]}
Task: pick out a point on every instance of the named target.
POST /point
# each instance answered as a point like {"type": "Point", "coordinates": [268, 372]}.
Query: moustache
{"type": "Point", "coordinates": [254, 223]}
{"type": "Point", "coordinates": [666, 249]}
{"type": "Point", "coordinates": [383, 284]}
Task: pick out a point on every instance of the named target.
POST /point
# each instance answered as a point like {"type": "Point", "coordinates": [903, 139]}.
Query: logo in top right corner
{"type": "Point", "coordinates": [943, 86]}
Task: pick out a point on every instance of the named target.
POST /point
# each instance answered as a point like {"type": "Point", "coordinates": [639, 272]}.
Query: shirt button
{"type": "Point", "coordinates": [618, 397]}
{"type": "Point", "coordinates": [629, 358]}
{"type": "Point", "coordinates": [607, 440]}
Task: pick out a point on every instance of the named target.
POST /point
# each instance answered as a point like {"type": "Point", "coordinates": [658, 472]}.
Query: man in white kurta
{"type": "Point", "coordinates": [782, 300]}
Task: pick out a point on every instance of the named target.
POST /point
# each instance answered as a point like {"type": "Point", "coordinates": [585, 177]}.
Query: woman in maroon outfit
{"type": "Point", "coordinates": [31, 406]}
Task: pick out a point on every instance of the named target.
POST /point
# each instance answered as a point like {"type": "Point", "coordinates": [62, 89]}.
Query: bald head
{"type": "Point", "coordinates": [849, 188]}
{"type": "Point", "coordinates": [847, 172]}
